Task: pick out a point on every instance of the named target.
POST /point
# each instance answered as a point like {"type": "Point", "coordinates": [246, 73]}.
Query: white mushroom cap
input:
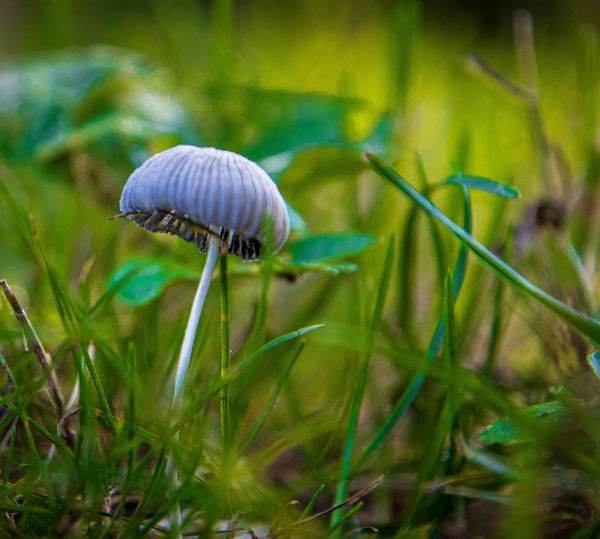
{"type": "Point", "coordinates": [212, 189]}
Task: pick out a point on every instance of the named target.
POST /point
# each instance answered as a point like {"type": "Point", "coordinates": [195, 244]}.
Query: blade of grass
{"type": "Point", "coordinates": [431, 457]}
{"type": "Point", "coordinates": [498, 316]}
{"type": "Point", "coordinates": [25, 419]}
{"type": "Point", "coordinates": [273, 397]}
{"type": "Point", "coordinates": [434, 347]}
{"type": "Point", "coordinates": [99, 389]}
{"type": "Point", "coordinates": [311, 504]}
{"type": "Point", "coordinates": [355, 499]}
{"type": "Point", "coordinates": [238, 369]}
{"type": "Point", "coordinates": [406, 263]}
{"type": "Point", "coordinates": [9, 455]}
{"type": "Point", "coordinates": [159, 469]}
{"type": "Point", "coordinates": [51, 438]}
{"type": "Point", "coordinates": [361, 383]}
{"type": "Point", "coordinates": [336, 527]}
{"type": "Point", "coordinates": [582, 323]}
{"type": "Point", "coordinates": [406, 270]}
{"type": "Point", "coordinates": [257, 328]}
{"type": "Point", "coordinates": [451, 331]}
{"type": "Point", "coordinates": [71, 319]}
{"type": "Point", "coordinates": [36, 346]}
{"type": "Point", "coordinates": [18, 215]}
{"type": "Point", "coordinates": [439, 250]}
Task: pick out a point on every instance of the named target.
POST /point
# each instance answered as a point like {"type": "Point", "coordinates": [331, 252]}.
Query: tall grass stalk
{"type": "Point", "coordinates": [361, 382]}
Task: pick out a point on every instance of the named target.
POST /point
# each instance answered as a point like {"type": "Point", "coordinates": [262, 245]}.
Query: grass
{"type": "Point", "coordinates": [343, 385]}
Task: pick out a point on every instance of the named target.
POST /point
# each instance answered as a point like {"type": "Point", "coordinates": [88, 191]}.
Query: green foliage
{"type": "Point", "coordinates": [316, 248]}
{"type": "Point", "coordinates": [101, 98]}
{"type": "Point", "coordinates": [410, 362]}
{"type": "Point", "coordinates": [509, 430]}
{"type": "Point", "coordinates": [142, 280]}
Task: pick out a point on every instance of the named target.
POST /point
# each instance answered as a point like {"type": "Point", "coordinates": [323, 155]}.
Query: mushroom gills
{"type": "Point", "coordinates": [170, 223]}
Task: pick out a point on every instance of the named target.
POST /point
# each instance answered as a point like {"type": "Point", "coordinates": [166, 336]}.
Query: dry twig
{"type": "Point", "coordinates": [37, 348]}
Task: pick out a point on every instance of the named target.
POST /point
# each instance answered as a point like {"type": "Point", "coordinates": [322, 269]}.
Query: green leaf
{"type": "Point", "coordinates": [586, 325]}
{"type": "Point", "coordinates": [512, 429]}
{"type": "Point", "coordinates": [151, 275]}
{"type": "Point", "coordinates": [322, 247]}
{"type": "Point", "coordinates": [291, 123]}
{"type": "Point", "coordinates": [63, 79]}
{"type": "Point", "coordinates": [484, 184]}
{"type": "Point", "coordinates": [113, 124]}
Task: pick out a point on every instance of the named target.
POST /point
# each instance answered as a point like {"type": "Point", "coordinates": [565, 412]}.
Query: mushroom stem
{"type": "Point", "coordinates": [192, 325]}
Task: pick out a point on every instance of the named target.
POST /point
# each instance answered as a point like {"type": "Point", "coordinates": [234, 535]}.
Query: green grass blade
{"type": "Point", "coordinates": [498, 314]}
{"type": "Point", "coordinates": [429, 463]}
{"type": "Point", "coordinates": [89, 364]}
{"type": "Point", "coordinates": [312, 503]}
{"type": "Point", "coordinates": [149, 491]}
{"type": "Point", "coordinates": [451, 331]}
{"type": "Point", "coordinates": [406, 274]}
{"type": "Point", "coordinates": [9, 455]}
{"type": "Point", "coordinates": [240, 368]}
{"type": "Point", "coordinates": [56, 440]}
{"type": "Point", "coordinates": [461, 262]}
{"type": "Point", "coordinates": [484, 184]}
{"type": "Point", "coordinates": [582, 323]}
{"type": "Point", "coordinates": [439, 250]}
{"type": "Point", "coordinates": [72, 319]}
{"type": "Point", "coordinates": [335, 527]}
{"type": "Point", "coordinates": [361, 383]}
{"type": "Point", "coordinates": [273, 397]}
{"type": "Point", "coordinates": [432, 351]}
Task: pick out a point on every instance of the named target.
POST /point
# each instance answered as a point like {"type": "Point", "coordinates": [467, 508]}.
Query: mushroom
{"type": "Point", "coordinates": [217, 200]}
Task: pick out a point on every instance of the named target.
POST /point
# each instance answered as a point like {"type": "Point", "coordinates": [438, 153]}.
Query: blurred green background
{"type": "Point", "coordinates": [507, 91]}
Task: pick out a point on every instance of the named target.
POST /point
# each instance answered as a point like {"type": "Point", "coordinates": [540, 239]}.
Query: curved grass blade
{"type": "Point", "coordinates": [239, 368]}
{"type": "Point", "coordinates": [271, 402]}
{"type": "Point", "coordinates": [582, 323]}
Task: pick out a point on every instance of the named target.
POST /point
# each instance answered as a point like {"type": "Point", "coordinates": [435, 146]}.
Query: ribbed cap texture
{"type": "Point", "coordinates": [213, 188]}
